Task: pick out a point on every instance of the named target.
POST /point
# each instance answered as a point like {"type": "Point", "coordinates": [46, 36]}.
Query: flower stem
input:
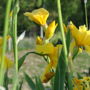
{"type": "Point", "coordinates": [86, 17]}
{"type": "Point", "coordinates": [62, 30]}
{"type": "Point", "coordinates": [14, 23]}
{"type": "Point", "coordinates": [64, 48]}
{"type": "Point", "coordinates": [15, 52]}
{"type": "Point", "coordinates": [4, 40]}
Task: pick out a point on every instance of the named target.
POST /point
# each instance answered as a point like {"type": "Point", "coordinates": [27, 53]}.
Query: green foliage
{"type": "Point", "coordinates": [39, 85]}
{"type": "Point", "coordinates": [30, 82]}
{"type": "Point", "coordinates": [60, 73]}
{"type": "Point", "coordinates": [68, 40]}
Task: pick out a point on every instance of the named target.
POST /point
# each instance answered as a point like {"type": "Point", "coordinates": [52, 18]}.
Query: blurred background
{"type": "Point", "coordinates": [71, 9]}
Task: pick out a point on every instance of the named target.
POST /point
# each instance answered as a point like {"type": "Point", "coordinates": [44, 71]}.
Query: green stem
{"type": "Point", "coordinates": [86, 17]}
{"type": "Point", "coordinates": [15, 52]}
{"type": "Point", "coordinates": [14, 21]}
{"type": "Point", "coordinates": [64, 49]}
{"type": "Point", "coordinates": [62, 30]}
{"type": "Point", "coordinates": [4, 40]}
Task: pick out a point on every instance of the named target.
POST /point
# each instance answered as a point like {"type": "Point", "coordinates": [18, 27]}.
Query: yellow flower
{"type": "Point", "coordinates": [49, 32]}
{"type": "Point", "coordinates": [78, 88]}
{"type": "Point", "coordinates": [39, 16]}
{"type": "Point", "coordinates": [39, 40]}
{"type": "Point", "coordinates": [81, 36]}
{"type": "Point", "coordinates": [87, 78]}
{"type": "Point", "coordinates": [53, 53]}
{"type": "Point", "coordinates": [81, 84]}
{"type": "Point", "coordinates": [77, 84]}
{"type": "Point", "coordinates": [7, 62]}
{"type": "Point", "coordinates": [1, 39]}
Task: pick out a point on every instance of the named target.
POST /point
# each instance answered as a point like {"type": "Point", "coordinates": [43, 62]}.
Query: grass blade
{"type": "Point", "coordinates": [60, 73]}
{"type": "Point", "coordinates": [30, 82]}
{"type": "Point", "coordinates": [39, 85]}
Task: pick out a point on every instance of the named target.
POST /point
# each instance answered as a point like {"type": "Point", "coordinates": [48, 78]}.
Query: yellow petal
{"type": "Point", "coordinates": [87, 78]}
{"type": "Point", "coordinates": [75, 33]}
{"type": "Point", "coordinates": [49, 70]}
{"type": "Point", "coordinates": [47, 74]}
{"type": "Point", "coordinates": [39, 40]}
{"type": "Point", "coordinates": [73, 29]}
{"type": "Point", "coordinates": [8, 37]}
{"type": "Point", "coordinates": [80, 50]}
{"type": "Point", "coordinates": [45, 49]}
{"type": "Point", "coordinates": [1, 39]}
{"type": "Point", "coordinates": [87, 49]}
{"type": "Point", "coordinates": [39, 16]}
{"type": "Point", "coordinates": [7, 63]}
{"type": "Point", "coordinates": [81, 36]}
{"type": "Point", "coordinates": [49, 32]}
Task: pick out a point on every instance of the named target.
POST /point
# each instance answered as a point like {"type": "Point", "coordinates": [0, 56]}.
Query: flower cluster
{"type": "Point", "coordinates": [43, 45]}
{"type": "Point", "coordinates": [81, 40]}
{"type": "Point", "coordinates": [81, 84]}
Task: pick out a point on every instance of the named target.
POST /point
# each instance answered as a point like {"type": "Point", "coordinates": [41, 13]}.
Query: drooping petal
{"type": "Point", "coordinates": [49, 32]}
{"type": "Point", "coordinates": [47, 74]}
{"type": "Point", "coordinates": [39, 16]}
{"type": "Point", "coordinates": [50, 68]}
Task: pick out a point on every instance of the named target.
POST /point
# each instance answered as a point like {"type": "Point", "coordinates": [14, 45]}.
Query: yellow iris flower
{"type": "Point", "coordinates": [49, 32]}
{"type": "Point", "coordinates": [81, 84]}
{"type": "Point", "coordinates": [81, 36]}
{"type": "Point", "coordinates": [39, 16]}
{"type": "Point", "coordinates": [53, 53]}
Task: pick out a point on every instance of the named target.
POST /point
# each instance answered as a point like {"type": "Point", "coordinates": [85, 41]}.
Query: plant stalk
{"type": "Point", "coordinates": [86, 17]}
{"type": "Point", "coordinates": [6, 24]}
{"type": "Point", "coordinates": [62, 30]}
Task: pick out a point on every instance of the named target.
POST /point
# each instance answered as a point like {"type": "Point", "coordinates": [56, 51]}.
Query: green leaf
{"type": "Point", "coordinates": [6, 80]}
{"type": "Point", "coordinates": [20, 85]}
{"type": "Point", "coordinates": [68, 40]}
{"type": "Point", "coordinates": [60, 73]}
{"type": "Point", "coordinates": [39, 85]}
{"type": "Point", "coordinates": [69, 80]}
{"type": "Point", "coordinates": [22, 59]}
{"type": "Point", "coordinates": [30, 82]}
{"type": "Point", "coordinates": [75, 53]}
